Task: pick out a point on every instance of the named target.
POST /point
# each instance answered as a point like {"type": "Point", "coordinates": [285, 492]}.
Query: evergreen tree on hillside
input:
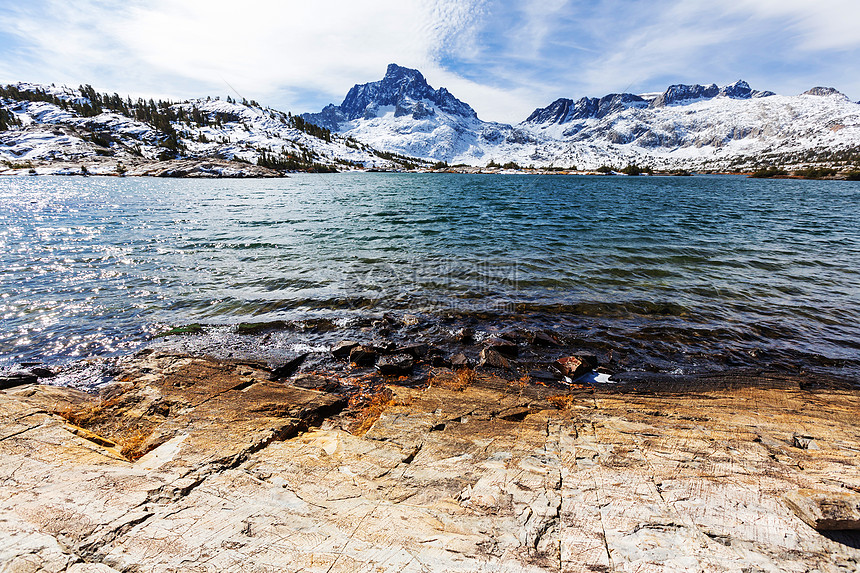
{"type": "Point", "coordinates": [8, 120]}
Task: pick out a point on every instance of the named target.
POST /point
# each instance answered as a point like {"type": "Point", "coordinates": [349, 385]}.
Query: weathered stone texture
{"type": "Point", "coordinates": [254, 475]}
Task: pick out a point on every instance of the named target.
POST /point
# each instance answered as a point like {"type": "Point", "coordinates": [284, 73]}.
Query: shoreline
{"type": "Point", "coordinates": [213, 168]}
{"type": "Point", "coordinates": [531, 347]}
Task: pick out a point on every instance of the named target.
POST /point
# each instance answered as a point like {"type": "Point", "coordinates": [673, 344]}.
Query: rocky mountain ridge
{"type": "Point", "coordinates": [401, 122]}
{"type": "Point", "coordinates": [45, 128]}
{"type": "Point", "coordinates": [686, 126]}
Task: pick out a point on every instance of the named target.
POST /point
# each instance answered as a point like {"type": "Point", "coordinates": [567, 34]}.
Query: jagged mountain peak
{"type": "Point", "coordinates": [404, 89]}
{"type": "Point", "coordinates": [824, 92]}
{"type": "Point", "coordinates": [565, 110]}
{"type": "Point", "coordinates": [738, 90]}
{"type": "Point", "coordinates": [395, 72]}
{"type": "Point", "coordinates": [683, 92]}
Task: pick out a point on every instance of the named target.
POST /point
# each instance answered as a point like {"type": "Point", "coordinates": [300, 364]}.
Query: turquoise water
{"type": "Point", "coordinates": [702, 272]}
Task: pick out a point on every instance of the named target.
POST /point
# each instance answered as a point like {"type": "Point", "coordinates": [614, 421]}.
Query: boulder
{"type": "Point", "coordinates": [575, 366]}
{"type": "Point", "coordinates": [804, 442]}
{"type": "Point", "coordinates": [826, 510]}
{"type": "Point", "coordinates": [343, 348]}
{"type": "Point", "coordinates": [363, 355]}
{"type": "Point", "coordinates": [494, 359]}
{"type": "Point", "coordinates": [502, 346]}
{"type": "Point", "coordinates": [395, 365]}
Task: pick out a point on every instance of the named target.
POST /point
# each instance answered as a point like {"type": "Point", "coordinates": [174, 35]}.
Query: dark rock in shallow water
{"type": "Point", "coordinates": [42, 372]}
{"type": "Point", "coordinates": [544, 339]}
{"type": "Point", "coordinates": [343, 348]}
{"type": "Point", "coordinates": [363, 355]}
{"type": "Point", "coordinates": [416, 351]}
{"type": "Point", "coordinates": [17, 379]}
{"type": "Point", "coordinates": [315, 382]}
{"type": "Point", "coordinates": [287, 369]}
{"type": "Point", "coordinates": [395, 365]}
{"type": "Point", "coordinates": [543, 376]}
{"type": "Point", "coordinates": [502, 346]}
{"type": "Point", "coordinates": [385, 347]}
{"type": "Point", "coordinates": [494, 359]}
{"type": "Point", "coordinates": [575, 366]}
{"type": "Point", "coordinates": [465, 335]}
{"type": "Point", "coordinates": [382, 328]}
{"type": "Point", "coordinates": [516, 335]}
{"type": "Point", "coordinates": [459, 361]}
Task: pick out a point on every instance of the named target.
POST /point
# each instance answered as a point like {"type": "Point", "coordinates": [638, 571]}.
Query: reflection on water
{"type": "Point", "coordinates": [747, 269]}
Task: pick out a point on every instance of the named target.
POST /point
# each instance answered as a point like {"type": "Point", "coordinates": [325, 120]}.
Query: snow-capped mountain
{"type": "Point", "coordinates": [389, 123]}
{"type": "Point", "coordinates": [403, 90]}
{"type": "Point", "coordinates": [686, 126]}
{"type": "Point", "coordinates": [41, 124]}
{"type": "Point", "coordinates": [698, 126]}
{"type": "Point", "coordinates": [402, 113]}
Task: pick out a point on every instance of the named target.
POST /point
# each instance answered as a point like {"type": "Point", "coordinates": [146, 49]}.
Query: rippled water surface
{"type": "Point", "coordinates": [680, 272]}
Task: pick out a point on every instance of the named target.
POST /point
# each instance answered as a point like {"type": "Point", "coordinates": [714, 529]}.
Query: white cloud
{"type": "Point", "coordinates": [822, 25]}
{"type": "Point", "coordinates": [452, 27]}
{"type": "Point", "coordinates": [259, 47]}
{"type": "Point", "coordinates": [502, 57]}
{"type": "Point", "coordinates": [769, 42]}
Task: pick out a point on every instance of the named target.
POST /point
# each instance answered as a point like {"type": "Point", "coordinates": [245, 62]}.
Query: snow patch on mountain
{"type": "Point", "coordinates": [686, 126]}
{"type": "Point", "coordinates": [386, 124]}
{"type": "Point", "coordinates": [222, 129]}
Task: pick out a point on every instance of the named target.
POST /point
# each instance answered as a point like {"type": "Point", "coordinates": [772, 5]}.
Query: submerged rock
{"type": "Point", "coordinates": [544, 339]}
{"type": "Point", "coordinates": [395, 365]}
{"type": "Point", "coordinates": [288, 368]}
{"type": "Point", "coordinates": [465, 335]}
{"type": "Point", "coordinates": [42, 372]}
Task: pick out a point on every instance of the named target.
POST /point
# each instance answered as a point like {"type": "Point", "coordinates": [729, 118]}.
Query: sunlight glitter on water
{"type": "Point", "coordinates": [666, 268]}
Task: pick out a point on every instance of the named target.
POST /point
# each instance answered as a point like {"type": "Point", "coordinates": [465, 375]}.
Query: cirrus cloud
{"type": "Point", "coordinates": [504, 58]}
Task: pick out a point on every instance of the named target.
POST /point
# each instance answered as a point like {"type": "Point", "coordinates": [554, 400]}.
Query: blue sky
{"type": "Point", "coordinates": [503, 58]}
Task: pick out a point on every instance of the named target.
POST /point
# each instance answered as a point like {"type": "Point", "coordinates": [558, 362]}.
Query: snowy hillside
{"type": "Point", "coordinates": [711, 128]}
{"type": "Point", "coordinates": [48, 124]}
{"type": "Point", "coordinates": [687, 126]}
{"type": "Point", "coordinates": [389, 123]}
{"type": "Point", "coordinates": [402, 113]}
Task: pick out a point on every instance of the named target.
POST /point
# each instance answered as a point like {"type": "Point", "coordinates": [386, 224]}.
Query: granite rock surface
{"type": "Point", "coordinates": [190, 464]}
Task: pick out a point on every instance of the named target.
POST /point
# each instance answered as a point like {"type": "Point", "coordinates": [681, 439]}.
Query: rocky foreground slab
{"type": "Point", "coordinates": [192, 464]}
